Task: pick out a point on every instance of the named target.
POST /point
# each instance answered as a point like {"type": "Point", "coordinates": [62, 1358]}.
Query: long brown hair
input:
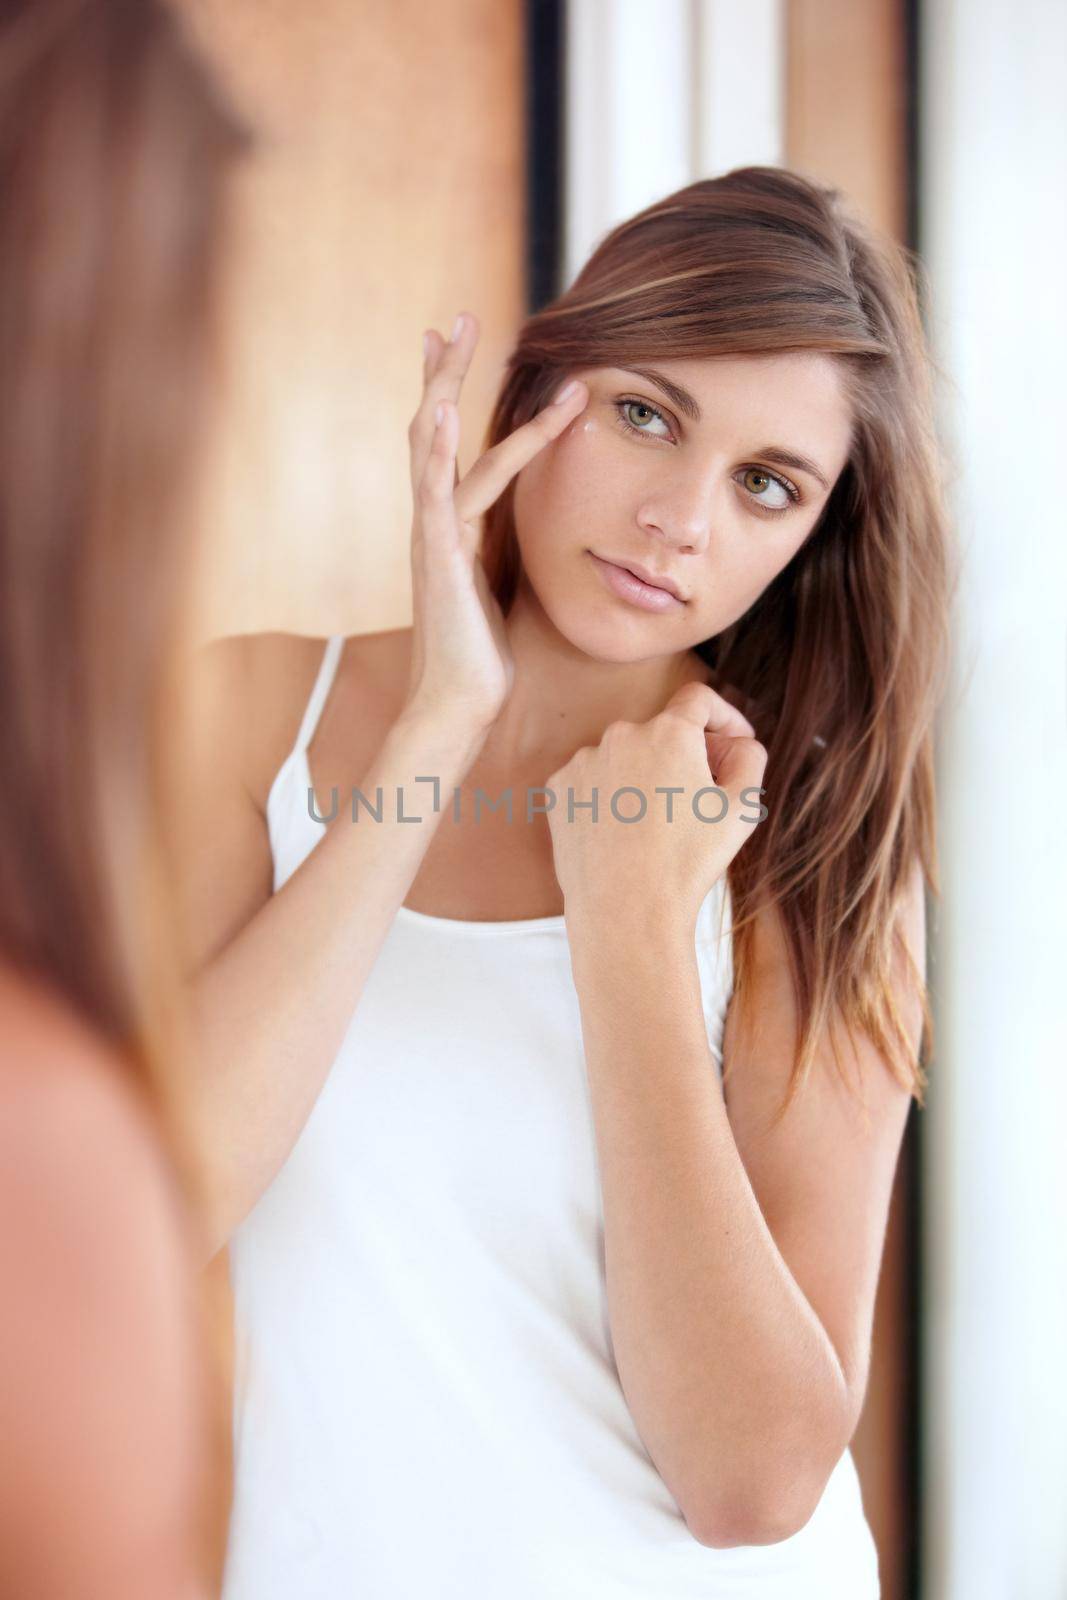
{"type": "Point", "coordinates": [841, 661]}
{"type": "Point", "coordinates": [114, 149]}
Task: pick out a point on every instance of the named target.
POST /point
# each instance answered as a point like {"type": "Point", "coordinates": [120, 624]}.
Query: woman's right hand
{"type": "Point", "coordinates": [461, 665]}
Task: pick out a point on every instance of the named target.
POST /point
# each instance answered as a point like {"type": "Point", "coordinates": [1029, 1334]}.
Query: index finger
{"type": "Point", "coordinates": [736, 763]}
{"type": "Point", "coordinates": [705, 706]}
{"type": "Point", "coordinates": [493, 471]}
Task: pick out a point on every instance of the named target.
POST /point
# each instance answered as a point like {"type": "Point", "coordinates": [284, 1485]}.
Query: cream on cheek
{"type": "Point", "coordinates": [592, 466]}
{"type": "Point", "coordinates": [571, 476]}
{"type": "Point", "coordinates": [574, 497]}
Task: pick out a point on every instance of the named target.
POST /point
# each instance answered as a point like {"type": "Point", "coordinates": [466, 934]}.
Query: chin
{"type": "Point", "coordinates": [598, 631]}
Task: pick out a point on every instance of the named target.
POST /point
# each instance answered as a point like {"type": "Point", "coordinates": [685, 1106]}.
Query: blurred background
{"type": "Point", "coordinates": [416, 160]}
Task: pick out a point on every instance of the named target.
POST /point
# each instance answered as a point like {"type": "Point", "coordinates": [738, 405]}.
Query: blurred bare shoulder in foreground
{"type": "Point", "coordinates": [97, 1351]}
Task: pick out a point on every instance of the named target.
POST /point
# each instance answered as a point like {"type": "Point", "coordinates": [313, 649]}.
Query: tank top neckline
{"type": "Point", "coordinates": [297, 762]}
{"type": "Point", "coordinates": [448, 924]}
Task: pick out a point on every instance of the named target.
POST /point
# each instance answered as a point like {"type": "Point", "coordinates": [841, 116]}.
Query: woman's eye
{"type": "Point", "coordinates": [638, 415]}
{"type": "Point", "coordinates": [782, 495]}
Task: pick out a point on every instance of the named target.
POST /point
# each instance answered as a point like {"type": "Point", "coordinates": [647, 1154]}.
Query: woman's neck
{"type": "Point", "coordinates": [563, 699]}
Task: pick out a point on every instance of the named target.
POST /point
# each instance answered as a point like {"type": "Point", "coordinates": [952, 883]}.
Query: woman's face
{"type": "Point", "coordinates": [685, 474]}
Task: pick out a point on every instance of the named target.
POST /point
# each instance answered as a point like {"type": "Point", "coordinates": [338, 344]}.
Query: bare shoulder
{"type": "Point", "coordinates": [73, 1122]}
{"type": "Point", "coordinates": [373, 673]}
{"type": "Point", "coordinates": [96, 1326]}
{"type": "Point", "coordinates": [250, 691]}
{"type": "Point", "coordinates": [239, 712]}
{"type": "Point", "coordinates": [45, 1039]}
{"type": "Point", "coordinates": [246, 698]}
{"type": "Point", "coordinates": [367, 696]}
{"type": "Point", "coordinates": [260, 684]}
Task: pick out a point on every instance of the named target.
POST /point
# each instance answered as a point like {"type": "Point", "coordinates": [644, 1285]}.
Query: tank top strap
{"type": "Point", "coordinates": [323, 682]}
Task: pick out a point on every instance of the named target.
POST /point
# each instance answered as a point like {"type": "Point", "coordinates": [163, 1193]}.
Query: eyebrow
{"type": "Point", "coordinates": [689, 407]}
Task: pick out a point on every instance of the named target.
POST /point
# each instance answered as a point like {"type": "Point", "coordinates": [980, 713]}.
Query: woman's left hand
{"type": "Point", "coordinates": [699, 745]}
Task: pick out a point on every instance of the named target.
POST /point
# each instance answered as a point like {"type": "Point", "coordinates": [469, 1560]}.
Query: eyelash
{"type": "Point", "coordinates": [768, 511]}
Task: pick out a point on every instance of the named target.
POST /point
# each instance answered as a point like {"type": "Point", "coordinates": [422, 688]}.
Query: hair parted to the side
{"type": "Point", "coordinates": [841, 663]}
{"type": "Point", "coordinates": [115, 149]}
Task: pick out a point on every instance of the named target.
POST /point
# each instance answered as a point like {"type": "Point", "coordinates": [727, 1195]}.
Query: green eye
{"type": "Point", "coordinates": [757, 482]}
{"type": "Point", "coordinates": [636, 415]}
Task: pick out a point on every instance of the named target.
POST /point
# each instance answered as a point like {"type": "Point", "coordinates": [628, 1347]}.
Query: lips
{"type": "Point", "coordinates": [655, 580]}
{"type": "Point", "coordinates": [633, 588]}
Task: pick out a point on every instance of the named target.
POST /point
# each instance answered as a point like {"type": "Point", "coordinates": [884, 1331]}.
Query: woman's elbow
{"type": "Point", "coordinates": [753, 1519]}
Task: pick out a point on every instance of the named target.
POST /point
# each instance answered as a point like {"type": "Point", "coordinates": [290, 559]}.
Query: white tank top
{"type": "Point", "coordinates": [427, 1405]}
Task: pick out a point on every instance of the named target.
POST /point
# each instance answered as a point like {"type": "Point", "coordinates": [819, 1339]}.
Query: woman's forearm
{"type": "Point", "coordinates": [271, 1010]}
{"type": "Point", "coordinates": [730, 1376]}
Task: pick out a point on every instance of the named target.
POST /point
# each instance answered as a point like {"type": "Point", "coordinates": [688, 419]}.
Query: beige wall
{"type": "Point", "coordinates": [845, 105]}
{"type": "Point", "coordinates": [387, 194]}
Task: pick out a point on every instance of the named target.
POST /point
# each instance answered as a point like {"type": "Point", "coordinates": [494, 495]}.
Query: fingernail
{"type": "Point", "coordinates": [565, 393]}
{"type": "Point", "coordinates": [458, 329]}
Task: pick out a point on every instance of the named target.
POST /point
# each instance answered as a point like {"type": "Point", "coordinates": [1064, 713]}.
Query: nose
{"type": "Point", "coordinates": [679, 515]}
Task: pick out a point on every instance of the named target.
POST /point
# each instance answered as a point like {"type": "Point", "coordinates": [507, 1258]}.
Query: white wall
{"type": "Point", "coordinates": [994, 232]}
{"type": "Point", "coordinates": [660, 95]}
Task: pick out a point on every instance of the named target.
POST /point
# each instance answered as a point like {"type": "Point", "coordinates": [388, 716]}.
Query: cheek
{"type": "Point", "coordinates": [588, 442]}
{"type": "Point", "coordinates": [579, 449]}
{"type": "Point", "coordinates": [595, 478]}
{"type": "Point", "coordinates": [741, 570]}
{"type": "Point", "coordinates": [563, 485]}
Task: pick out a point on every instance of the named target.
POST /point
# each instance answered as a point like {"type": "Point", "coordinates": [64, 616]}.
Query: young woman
{"type": "Point", "coordinates": [114, 151]}
{"type": "Point", "coordinates": [554, 1151]}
